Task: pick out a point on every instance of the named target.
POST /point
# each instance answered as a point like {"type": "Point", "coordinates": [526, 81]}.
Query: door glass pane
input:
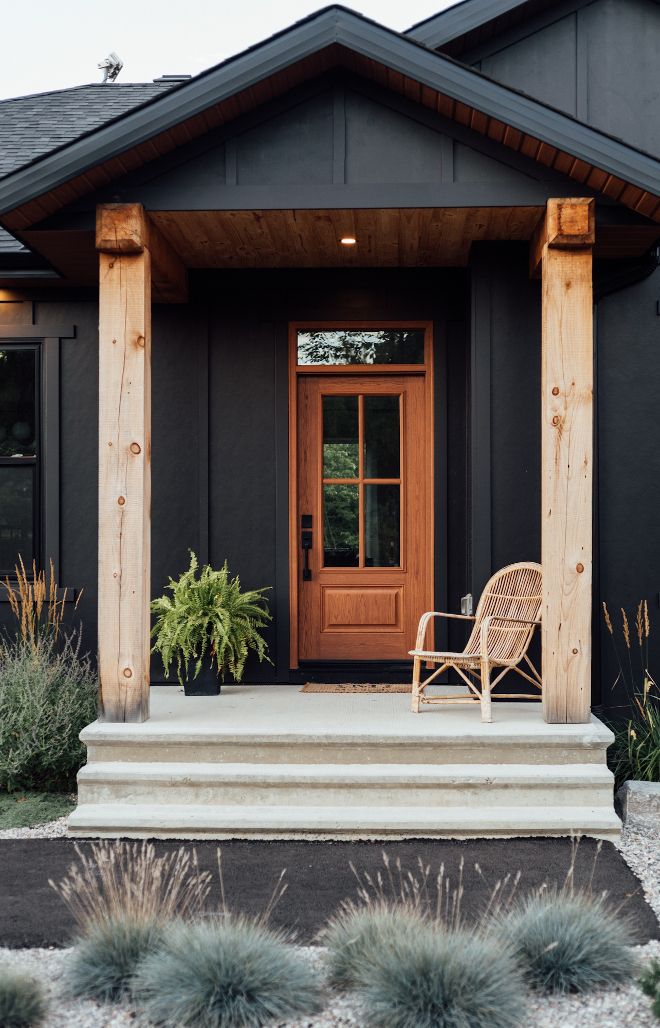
{"type": "Point", "coordinates": [382, 525]}
{"type": "Point", "coordinates": [340, 437]}
{"type": "Point", "coordinates": [360, 346]}
{"type": "Point", "coordinates": [381, 437]}
{"type": "Point", "coordinates": [341, 535]}
{"type": "Point", "coordinates": [17, 413]}
{"type": "Point", "coordinates": [16, 516]}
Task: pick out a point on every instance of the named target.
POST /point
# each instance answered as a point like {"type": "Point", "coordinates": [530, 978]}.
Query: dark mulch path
{"type": "Point", "coordinates": [319, 877]}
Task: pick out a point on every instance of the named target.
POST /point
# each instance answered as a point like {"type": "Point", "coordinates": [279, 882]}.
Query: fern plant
{"type": "Point", "coordinates": [209, 614]}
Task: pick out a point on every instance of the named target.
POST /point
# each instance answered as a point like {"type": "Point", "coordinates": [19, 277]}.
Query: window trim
{"type": "Point", "coordinates": [46, 511]}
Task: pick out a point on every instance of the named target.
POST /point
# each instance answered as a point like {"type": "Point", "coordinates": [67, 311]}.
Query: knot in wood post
{"type": "Point", "coordinates": [135, 448]}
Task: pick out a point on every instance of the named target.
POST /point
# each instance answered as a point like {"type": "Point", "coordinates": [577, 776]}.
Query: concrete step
{"type": "Point", "coordinates": [417, 739]}
{"type": "Point", "coordinates": [196, 821]}
{"type": "Point", "coordinates": [437, 786]}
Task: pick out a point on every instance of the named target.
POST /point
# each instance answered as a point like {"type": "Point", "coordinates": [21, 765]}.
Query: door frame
{"type": "Point", "coordinates": [295, 371]}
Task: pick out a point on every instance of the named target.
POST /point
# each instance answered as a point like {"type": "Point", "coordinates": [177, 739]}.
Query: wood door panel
{"type": "Point", "coordinates": [371, 558]}
{"type": "Point", "coordinates": [356, 609]}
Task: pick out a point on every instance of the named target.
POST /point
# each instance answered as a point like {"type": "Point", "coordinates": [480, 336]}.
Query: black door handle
{"type": "Point", "coordinates": [306, 540]}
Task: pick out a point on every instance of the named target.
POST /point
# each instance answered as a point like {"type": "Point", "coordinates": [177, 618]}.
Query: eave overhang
{"type": "Point", "coordinates": [333, 37]}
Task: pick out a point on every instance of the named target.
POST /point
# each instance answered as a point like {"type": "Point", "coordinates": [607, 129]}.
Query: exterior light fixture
{"type": "Point", "coordinates": [348, 240]}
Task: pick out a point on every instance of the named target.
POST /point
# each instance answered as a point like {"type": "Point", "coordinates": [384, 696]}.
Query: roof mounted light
{"type": "Point", "coordinates": [348, 240]}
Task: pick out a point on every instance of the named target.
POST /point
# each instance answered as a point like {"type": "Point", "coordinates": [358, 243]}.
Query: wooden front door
{"type": "Point", "coordinates": [364, 514]}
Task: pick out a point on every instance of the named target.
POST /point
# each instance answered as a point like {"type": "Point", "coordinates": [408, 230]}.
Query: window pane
{"type": "Point", "coordinates": [341, 535]}
{"type": "Point", "coordinates": [381, 437]}
{"type": "Point", "coordinates": [340, 437]}
{"type": "Point", "coordinates": [382, 520]}
{"type": "Point", "coordinates": [16, 515]}
{"type": "Point", "coordinates": [17, 413]}
{"type": "Point", "coordinates": [357, 346]}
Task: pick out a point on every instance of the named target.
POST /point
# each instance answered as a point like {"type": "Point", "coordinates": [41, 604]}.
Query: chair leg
{"type": "Point", "coordinates": [416, 685]}
{"type": "Point", "coordinates": [486, 711]}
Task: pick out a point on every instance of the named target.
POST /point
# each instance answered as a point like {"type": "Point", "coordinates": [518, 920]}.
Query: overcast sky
{"type": "Point", "coordinates": [52, 44]}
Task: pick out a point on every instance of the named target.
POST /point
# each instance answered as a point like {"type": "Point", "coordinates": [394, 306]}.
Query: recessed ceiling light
{"type": "Point", "coordinates": [348, 240]}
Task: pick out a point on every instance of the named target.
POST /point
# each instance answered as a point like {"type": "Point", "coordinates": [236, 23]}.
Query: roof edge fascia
{"type": "Point", "coordinates": [332, 26]}
{"type": "Point", "coordinates": [458, 20]}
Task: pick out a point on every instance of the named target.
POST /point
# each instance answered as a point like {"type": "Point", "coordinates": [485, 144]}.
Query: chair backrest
{"type": "Point", "coordinates": [513, 592]}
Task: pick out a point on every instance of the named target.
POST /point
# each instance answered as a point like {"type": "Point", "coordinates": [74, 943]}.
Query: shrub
{"type": "Point", "coordinates": [569, 942]}
{"type": "Point", "coordinates": [210, 614]}
{"type": "Point", "coordinates": [48, 694]}
{"type": "Point", "coordinates": [650, 983]}
{"type": "Point", "coordinates": [356, 934]}
{"type": "Point", "coordinates": [443, 979]}
{"type": "Point", "coordinates": [116, 880]}
{"type": "Point", "coordinates": [22, 1002]}
{"type": "Point", "coordinates": [105, 958]}
{"type": "Point", "coordinates": [222, 975]}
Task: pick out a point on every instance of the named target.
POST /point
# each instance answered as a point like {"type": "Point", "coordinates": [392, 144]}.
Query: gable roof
{"type": "Point", "coordinates": [469, 22]}
{"type": "Point", "coordinates": [32, 126]}
{"type": "Point", "coordinates": [332, 36]}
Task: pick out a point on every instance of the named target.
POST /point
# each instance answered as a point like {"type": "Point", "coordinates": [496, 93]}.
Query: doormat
{"type": "Point", "coordinates": [350, 687]}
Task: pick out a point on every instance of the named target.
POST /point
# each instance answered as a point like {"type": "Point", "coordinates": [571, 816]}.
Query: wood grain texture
{"type": "Point", "coordinates": [567, 459]}
{"type": "Point", "coordinates": [124, 484]}
{"type": "Point", "coordinates": [411, 237]}
{"type": "Point", "coordinates": [565, 224]}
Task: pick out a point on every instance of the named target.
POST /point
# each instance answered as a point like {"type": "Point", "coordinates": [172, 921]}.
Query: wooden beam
{"type": "Point", "coordinates": [565, 225]}
{"type": "Point", "coordinates": [123, 228]}
{"type": "Point", "coordinates": [124, 464]}
{"type": "Point", "coordinates": [169, 275]}
{"type": "Point", "coordinates": [567, 457]}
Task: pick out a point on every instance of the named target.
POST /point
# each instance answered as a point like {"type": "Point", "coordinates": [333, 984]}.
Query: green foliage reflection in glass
{"type": "Point", "coordinates": [360, 346]}
{"type": "Point", "coordinates": [340, 437]}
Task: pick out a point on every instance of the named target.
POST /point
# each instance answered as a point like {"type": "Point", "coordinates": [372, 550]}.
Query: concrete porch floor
{"type": "Point", "coordinates": [272, 762]}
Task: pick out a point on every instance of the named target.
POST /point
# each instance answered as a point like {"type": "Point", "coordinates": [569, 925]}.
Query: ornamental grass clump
{"type": "Point", "coordinates": [635, 753]}
{"type": "Point", "coordinates": [209, 615]}
{"type": "Point", "coordinates": [568, 942]}
{"type": "Point", "coordinates": [122, 897]}
{"type": "Point", "coordinates": [22, 1002]}
{"type": "Point", "coordinates": [105, 958]}
{"type": "Point", "coordinates": [357, 934]}
{"type": "Point", "coordinates": [232, 973]}
{"type": "Point", "coordinates": [443, 979]}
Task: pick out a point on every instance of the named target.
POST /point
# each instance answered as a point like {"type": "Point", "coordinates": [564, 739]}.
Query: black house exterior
{"type": "Point", "coordinates": [442, 152]}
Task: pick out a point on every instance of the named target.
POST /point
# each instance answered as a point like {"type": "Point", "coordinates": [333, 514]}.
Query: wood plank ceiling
{"type": "Point", "coordinates": [411, 237]}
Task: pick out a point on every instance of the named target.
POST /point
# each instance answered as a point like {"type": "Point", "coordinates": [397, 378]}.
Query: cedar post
{"type": "Point", "coordinates": [562, 248]}
{"type": "Point", "coordinates": [124, 461]}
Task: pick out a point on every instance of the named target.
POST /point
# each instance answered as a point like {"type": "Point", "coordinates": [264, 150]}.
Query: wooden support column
{"type": "Point", "coordinates": [562, 248]}
{"type": "Point", "coordinates": [124, 461]}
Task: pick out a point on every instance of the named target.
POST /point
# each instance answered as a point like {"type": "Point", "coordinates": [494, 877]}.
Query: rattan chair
{"type": "Point", "coordinates": [507, 614]}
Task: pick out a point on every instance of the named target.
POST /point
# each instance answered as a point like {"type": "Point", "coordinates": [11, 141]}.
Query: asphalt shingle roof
{"type": "Point", "coordinates": [31, 126]}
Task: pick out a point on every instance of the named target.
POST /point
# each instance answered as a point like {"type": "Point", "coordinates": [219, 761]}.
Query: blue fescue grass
{"type": "Point", "coordinates": [22, 1003]}
{"type": "Point", "coordinates": [435, 978]}
{"type": "Point", "coordinates": [356, 933]}
{"type": "Point", "coordinates": [569, 942]}
{"type": "Point", "coordinates": [105, 958]}
{"type": "Point", "coordinates": [224, 974]}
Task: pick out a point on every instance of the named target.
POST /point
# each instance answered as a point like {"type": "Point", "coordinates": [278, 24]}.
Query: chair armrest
{"type": "Point", "coordinates": [425, 618]}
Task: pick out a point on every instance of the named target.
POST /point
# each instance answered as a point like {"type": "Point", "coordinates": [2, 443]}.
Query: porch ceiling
{"type": "Point", "coordinates": [409, 237]}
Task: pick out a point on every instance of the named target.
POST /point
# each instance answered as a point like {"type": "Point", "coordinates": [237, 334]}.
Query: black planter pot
{"type": "Point", "coordinates": [207, 683]}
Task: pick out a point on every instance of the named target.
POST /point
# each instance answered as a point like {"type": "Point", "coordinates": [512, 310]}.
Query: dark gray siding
{"type": "Point", "coordinates": [599, 63]}
{"type": "Point", "coordinates": [628, 335]}
{"type": "Point", "coordinates": [220, 427]}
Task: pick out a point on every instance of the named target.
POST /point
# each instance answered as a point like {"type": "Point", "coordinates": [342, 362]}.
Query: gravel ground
{"type": "Point", "coordinates": [49, 830]}
{"type": "Point", "coordinates": [618, 1008]}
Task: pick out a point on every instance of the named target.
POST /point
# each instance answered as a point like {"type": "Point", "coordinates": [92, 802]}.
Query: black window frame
{"type": "Point", "coordinates": [36, 462]}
